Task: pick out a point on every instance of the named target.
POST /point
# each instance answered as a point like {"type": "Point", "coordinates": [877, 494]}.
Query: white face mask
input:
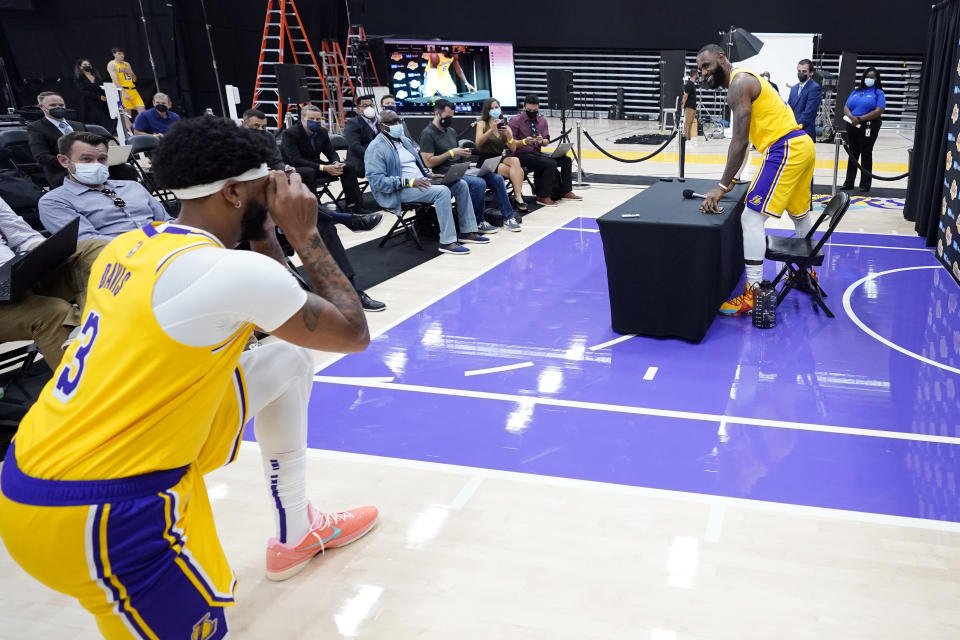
{"type": "Point", "coordinates": [91, 173]}
{"type": "Point", "coordinates": [369, 113]}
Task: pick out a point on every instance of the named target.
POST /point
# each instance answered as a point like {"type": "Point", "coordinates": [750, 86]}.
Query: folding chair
{"type": "Point", "coordinates": [15, 148]}
{"type": "Point", "coordinates": [405, 224]}
{"type": "Point", "coordinates": [100, 131]}
{"type": "Point", "coordinates": [147, 144]}
{"type": "Point", "coordinates": [14, 364]}
{"type": "Point", "coordinates": [800, 255]}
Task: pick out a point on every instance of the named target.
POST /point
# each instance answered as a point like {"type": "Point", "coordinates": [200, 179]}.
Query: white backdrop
{"type": "Point", "coordinates": [780, 54]}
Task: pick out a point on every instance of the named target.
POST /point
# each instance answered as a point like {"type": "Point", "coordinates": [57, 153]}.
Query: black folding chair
{"type": "Point", "coordinates": [100, 131]}
{"type": "Point", "coordinates": [405, 226]}
{"type": "Point", "coordinates": [146, 145]}
{"type": "Point", "coordinates": [15, 149]}
{"type": "Point", "coordinates": [800, 255]}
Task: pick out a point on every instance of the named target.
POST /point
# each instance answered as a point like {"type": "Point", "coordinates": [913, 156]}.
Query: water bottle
{"type": "Point", "coordinates": [765, 306]}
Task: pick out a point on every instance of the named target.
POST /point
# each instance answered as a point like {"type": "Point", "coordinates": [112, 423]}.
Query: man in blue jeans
{"type": "Point", "coordinates": [397, 174]}
{"type": "Point", "coordinates": [439, 149]}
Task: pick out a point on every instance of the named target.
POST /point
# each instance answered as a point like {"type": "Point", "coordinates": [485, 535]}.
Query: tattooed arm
{"type": "Point", "coordinates": [332, 320]}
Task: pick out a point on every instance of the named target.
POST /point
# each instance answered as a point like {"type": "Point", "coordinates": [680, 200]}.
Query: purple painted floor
{"type": "Point", "coordinates": [548, 305]}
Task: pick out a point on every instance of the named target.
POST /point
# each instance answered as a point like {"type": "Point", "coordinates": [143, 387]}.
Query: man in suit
{"type": "Point", "coordinates": [805, 98]}
{"type": "Point", "coordinates": [302, 147]}
{"type": "Point", "coordinates": [45, 132]}
{"type": "Point", "coordinates": [360, 131]}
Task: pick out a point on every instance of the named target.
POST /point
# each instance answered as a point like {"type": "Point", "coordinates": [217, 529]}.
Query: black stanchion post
{"type": "Point", "coordinates": [683, 144]}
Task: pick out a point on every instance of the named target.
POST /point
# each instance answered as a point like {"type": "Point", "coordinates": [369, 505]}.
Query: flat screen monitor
{"type": "Point", "coordinates": [465, 73]}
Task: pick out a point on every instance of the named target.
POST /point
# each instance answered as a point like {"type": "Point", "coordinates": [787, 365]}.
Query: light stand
{"type": "Point", "coordinates": [8, 96]}
{"type": "Point", "coordinates": [213, 58]}
{"type": "Point", "coordinates": [146, 34]}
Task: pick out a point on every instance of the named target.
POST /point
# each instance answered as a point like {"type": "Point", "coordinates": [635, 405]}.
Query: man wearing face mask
{"type": "Point", "coordinates": [785, 176]}
{"type": "Point", "coordinates": [440, 149]}
{"type": "Point", "coordinates": [531, 130]}
{"type": "Point", "coordinates": [307, 148]}
{"type": "Point", "coordinates": [158, 120]}
{"type": "Point", "coordinates": [360, 132]}
{"type": "Point", "coordinates": [106, 207]}
{"type": "Point", "coordinates": [45, 132]}
{"type": "Point", "coordinates": [805, 98]}
{"type": "Point", "coordinates": [398, 174]}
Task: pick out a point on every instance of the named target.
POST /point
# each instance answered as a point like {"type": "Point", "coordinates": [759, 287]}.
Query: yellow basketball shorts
{"type": "Point", "coordinates": [785, 177]}
{"type": "Point", "coordinates": [134, 101]}
{"type": "Point", "coordinates": [141, 554]}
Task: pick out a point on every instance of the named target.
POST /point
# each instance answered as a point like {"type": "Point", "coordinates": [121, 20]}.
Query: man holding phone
{"type": "Point", "coordinates": [531, 130]}
{"type": "Point", "coordinates": [302, 147]}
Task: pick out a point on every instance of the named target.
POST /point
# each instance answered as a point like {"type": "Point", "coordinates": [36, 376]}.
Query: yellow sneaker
{"type": "Point", "coordinates": [742, 305]}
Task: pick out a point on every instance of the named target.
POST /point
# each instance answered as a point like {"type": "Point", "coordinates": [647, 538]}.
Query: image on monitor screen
{"type": "Point", "coordinates": [422, 72]}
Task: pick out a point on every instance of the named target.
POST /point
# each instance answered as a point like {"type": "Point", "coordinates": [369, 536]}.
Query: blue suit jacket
{"type": "Point", "coordinates": [805, 105]}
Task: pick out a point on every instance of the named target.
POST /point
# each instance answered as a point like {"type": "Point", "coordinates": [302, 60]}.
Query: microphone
{"type": "Point", "coordinates": [689, 194]}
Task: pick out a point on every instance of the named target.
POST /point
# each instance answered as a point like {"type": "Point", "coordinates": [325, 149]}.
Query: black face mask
{"type": "Point", "coordinates": [161, 108]}
{"type": "Point", "coordinates": [58, 113]}
{"type": "Point", "coordinates": [87, 69]}
{"type": "Point", "coordinates": [532, 114]}
{"type": "Point", "coordinates": [446, 122]}
{"type": "Point", "coordinates": [251, 224]}
{"type": "Point", "coordinates": [802, 77]}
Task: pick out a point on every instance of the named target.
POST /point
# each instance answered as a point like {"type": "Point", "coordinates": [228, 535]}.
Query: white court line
{"type": "Point", "coordinates": [876, 336]}
{"type": "Point", "coordinates": [714, 523]}
{"type": "Point", "coordinates": [872, 246]}
{"type": "Point", "coordinates": [610, 343]}
{"type": "Point", "coordinates": [644, 411]}
{"type": "Point", "coordinates": [644, 492]}
{"type": "Point", "coordinates": [651, 372]}
{"type": "Point", "coordinates": [466, 493]}
{"type": "Point", "coordinates": [584, 230]}
{"type": "Point", "coordinates": [506, 367]}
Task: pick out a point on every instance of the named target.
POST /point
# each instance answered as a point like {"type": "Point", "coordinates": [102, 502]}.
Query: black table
{"type": "Point", "coordinates": [671, 268]}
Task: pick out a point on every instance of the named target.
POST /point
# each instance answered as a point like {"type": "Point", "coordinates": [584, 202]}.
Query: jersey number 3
{"type": "Point", "coordinates": [70, 375]}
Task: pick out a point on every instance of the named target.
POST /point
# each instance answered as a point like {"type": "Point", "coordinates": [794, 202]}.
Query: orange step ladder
{"type": "Point", "coordinates": [282, 27]}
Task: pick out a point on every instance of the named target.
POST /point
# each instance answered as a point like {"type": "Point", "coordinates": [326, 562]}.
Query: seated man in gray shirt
{"type": "Point", "coordinates": [106, 208]}
{"type": "Point", "coordinates": [52, 310]}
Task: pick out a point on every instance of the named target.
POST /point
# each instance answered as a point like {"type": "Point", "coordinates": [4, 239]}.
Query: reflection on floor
{"type": "Point", "coordinates": [747, 413]}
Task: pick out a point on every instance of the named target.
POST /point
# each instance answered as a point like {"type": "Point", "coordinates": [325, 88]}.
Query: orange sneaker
{"type": "Point", "coordinates": [742, 305]}
{"type": "Point", "coordinates": [327, 531]}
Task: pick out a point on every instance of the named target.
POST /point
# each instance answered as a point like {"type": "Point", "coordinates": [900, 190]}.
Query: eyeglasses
{"type": "Point", "coordinates": [117, 200]}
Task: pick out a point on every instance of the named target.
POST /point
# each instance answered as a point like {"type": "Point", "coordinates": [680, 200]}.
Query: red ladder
{"type": "Point", "coordinates": [281, 27]}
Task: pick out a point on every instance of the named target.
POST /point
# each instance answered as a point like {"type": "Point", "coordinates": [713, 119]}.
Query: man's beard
{"type": "Point", "coordinates": [718, 78]}
{"type": "Point", "coordinates": [253, 221]}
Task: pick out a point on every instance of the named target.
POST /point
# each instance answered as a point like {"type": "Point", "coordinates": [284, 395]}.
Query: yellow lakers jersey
{"type": "Point", "coordinates": [125, 73]}
{"type": "Point", "coordinates": [127, 399]}
{"type": "Point", "coordinates": [771, 119]}
{"type": "Point", "coordinates": [443, 65]}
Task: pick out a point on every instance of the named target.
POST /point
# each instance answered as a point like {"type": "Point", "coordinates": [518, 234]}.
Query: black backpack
{"type": "Point", "coordinates": [22, 195]}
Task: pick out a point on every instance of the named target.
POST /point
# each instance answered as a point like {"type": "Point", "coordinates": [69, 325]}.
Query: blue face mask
{"type": "Point", "coordinates": [389, 107]}
{"type": "Point", "coordinates": [314, 125]}
{"type": "Point", "coordinates": [396, 130]}
{"type": "Point", "coordinates": [495, 113]}
{"type": "Point", "coordinates": [869, 82]}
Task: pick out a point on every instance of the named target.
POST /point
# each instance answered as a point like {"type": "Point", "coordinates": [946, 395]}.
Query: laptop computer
{"type": "Point", "coordinates": [19, 274]}
{"type": "Point", "coordinates": [454, 173]}
{"type": "Point", "coordinates": [561, 150]}
{"type": "Point", "coordinates": [487, 166]}
{"type": "Point", "coordinates": [118, 154]}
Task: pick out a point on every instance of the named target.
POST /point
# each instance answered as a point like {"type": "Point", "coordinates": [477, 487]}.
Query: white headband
{"type": "Point", "coordinates": [204, 190]}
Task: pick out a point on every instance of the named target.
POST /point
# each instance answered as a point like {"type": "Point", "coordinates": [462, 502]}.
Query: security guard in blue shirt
{"type": "Point", "coordinates": [863, 110]}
